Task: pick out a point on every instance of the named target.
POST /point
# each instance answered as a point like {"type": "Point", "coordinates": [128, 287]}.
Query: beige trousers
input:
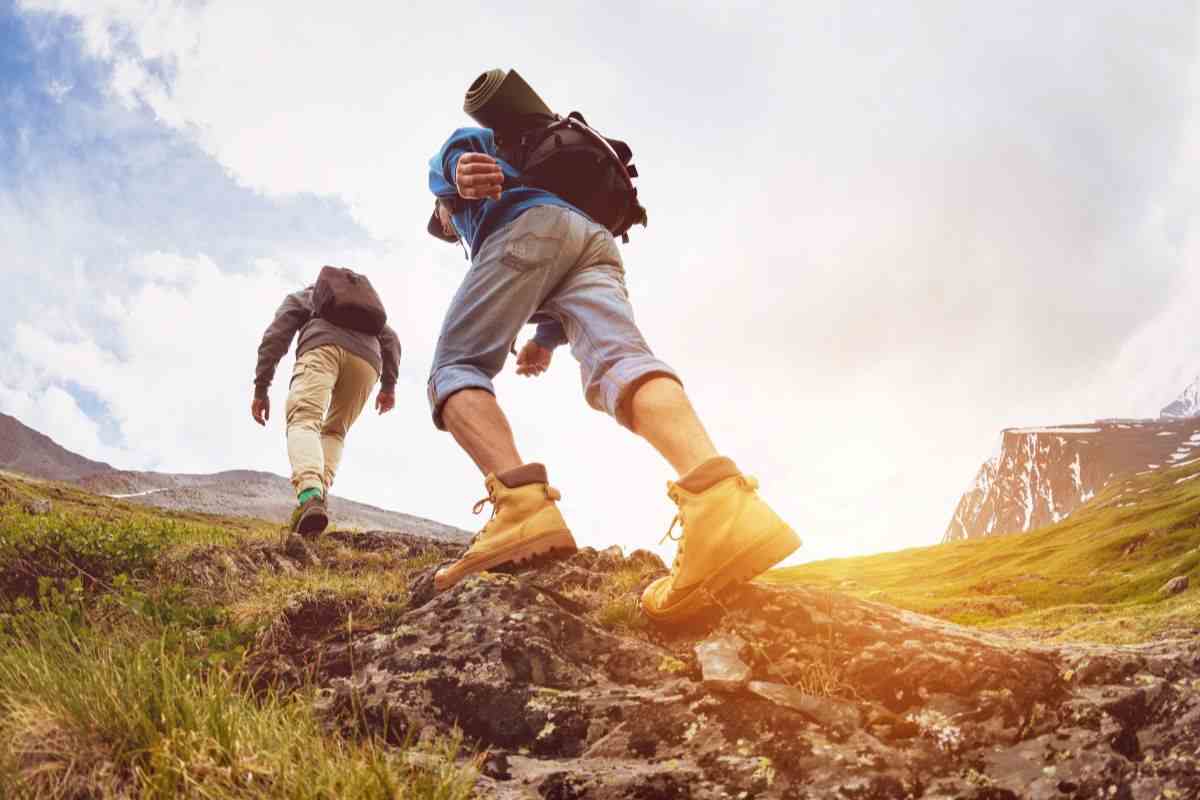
{"type": "Point", "coordinates": [330, 386]}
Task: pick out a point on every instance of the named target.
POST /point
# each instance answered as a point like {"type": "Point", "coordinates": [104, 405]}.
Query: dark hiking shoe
{"type": "Point", "coordinates": [310, 518]}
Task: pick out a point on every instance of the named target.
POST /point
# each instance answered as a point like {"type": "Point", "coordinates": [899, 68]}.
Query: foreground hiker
{"type": "Point", "coordinates": [345, 347]}
{"type": "Point", "coordinates": [537, 255]}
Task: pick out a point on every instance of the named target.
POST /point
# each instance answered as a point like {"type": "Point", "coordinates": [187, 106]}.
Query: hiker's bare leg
{"type": "Point", "coordinates": [479, 426]}
{"type": "Point", "coordinates": [525, 522]}
{"type": "Point", "coordinates": [661, 413]}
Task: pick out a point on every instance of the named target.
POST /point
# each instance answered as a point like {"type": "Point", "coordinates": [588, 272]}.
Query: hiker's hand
{"type": "Point", "coordinates": [260, 409]}
{"type": "Point", "coordinates": [446, 218]}
{"type": "Point", "coordinates": [533, 359]}
{"type": "Point", "coordinates": [478, 176]}
{"type": "Point", "coordinates": [385, 402]}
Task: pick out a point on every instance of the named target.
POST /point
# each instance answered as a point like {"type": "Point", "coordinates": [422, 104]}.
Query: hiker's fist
{"type": "Point", "coordinates": [533, 359]}
{"type": "Point", "coordinates": [260, 409]}
{"type": "Point", "coordinates": [478, 176]}
{"type": "Point", "coordinates": [385, 402]}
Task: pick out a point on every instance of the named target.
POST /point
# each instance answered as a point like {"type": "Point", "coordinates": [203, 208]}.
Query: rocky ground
{"type": "Point", "coordinates": [784, 692]}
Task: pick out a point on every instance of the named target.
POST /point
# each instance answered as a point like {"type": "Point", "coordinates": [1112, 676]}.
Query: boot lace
{"type": "Point", "coordinates": [477, 509]}
{"type": "Point", "coordinates": [551, 494]}
{"type": "Point", "coordinates": [746, 482]}
{"type": "Point", "coordinates": [670, 534]}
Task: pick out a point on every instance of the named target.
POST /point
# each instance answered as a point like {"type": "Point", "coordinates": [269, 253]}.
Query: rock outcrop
{"type": "Point", "coordinates": [567, 692]}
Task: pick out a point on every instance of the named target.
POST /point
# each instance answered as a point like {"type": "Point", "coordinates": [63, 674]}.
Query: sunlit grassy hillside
{"type": "Point", "coordinates": [1096, 575]}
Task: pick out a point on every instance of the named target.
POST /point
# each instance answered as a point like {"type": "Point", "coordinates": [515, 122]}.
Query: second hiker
{"type": "Point", "coordinates": [345, 347]}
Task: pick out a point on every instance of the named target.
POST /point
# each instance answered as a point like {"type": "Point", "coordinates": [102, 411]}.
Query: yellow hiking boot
{"type": "Point", "coordinates": [525, 523]}
{"type": "Point", "coordinates": [729, 536]}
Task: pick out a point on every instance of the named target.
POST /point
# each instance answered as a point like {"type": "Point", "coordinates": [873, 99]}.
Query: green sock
{"type": "Point", "coordinates": [307, 495]}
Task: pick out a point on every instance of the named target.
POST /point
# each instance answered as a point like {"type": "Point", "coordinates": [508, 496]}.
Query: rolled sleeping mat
{"type": "Point", "coordinates": [502, 100]}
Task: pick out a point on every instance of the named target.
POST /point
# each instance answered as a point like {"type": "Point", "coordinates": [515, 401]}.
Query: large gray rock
{"type": "Point", "coordinates": [837, 715]}
{"type": "Point", "coordinates": [1174, 586]}
{"type": "Point", "coordinates": [857, 701]}
{"type": "Point", "coordinates": [39, 507]}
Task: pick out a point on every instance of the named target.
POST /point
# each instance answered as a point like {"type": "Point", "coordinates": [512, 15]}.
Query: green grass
{"type": "Point", "coordinates": [119, 678]}
{"type": "Point", "coordinates": [85, 712]}
{"type": "Point", "coordinates": [1093, 576]}
{"type": "Point", "coordinates": [66, 546]}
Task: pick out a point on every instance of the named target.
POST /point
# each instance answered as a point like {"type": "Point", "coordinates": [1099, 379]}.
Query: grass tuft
{"type": "Point", "coordinates": [618, 601]}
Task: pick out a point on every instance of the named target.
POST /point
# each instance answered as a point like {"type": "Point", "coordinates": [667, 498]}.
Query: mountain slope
{"type": "Point", "coordinates": [244, 493]}
{"type": "Point", "coordinates": [24, 450]}
{"type": "Point", "coordinates": [1043, 474]}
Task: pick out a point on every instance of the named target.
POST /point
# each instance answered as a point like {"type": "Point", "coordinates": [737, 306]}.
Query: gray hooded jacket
{"type": "Point", "coordinates": [296, 314]}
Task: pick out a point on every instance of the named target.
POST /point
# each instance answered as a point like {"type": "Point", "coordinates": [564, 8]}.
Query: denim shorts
{"type": "Point", "coordinates": [552, 263]}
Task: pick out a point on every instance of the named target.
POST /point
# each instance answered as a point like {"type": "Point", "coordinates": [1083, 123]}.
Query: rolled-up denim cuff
{"type": "Point", "coordinates": [612, 391]}
{"type": "Point", "coordinates": [446, 381]}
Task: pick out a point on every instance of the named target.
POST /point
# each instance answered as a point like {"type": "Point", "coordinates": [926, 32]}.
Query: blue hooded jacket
{"type": "Point", "coordinates": [478, 219]}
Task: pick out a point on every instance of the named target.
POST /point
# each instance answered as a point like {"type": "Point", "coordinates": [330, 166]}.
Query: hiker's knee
{"type": "Point", "coordinates": [334, 431]}
{"type": "Point", "coordinates": [612, 390]}
{"type": "Point", "coordinates": [304, 411]}
{"type": "Point", "coordinates": [446, 381]}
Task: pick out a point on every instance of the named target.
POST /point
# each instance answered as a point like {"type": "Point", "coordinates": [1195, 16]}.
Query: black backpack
{"type": "Point", "coordinates": [566, 156]}
{"type": "Point", "coordinates": [348, 300]}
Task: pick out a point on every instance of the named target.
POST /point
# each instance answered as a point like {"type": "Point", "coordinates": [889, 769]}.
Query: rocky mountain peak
{"type": "Point", "coordinates": [1042, 474]}
{"type": "Point", "coordinates": [1186, 405]}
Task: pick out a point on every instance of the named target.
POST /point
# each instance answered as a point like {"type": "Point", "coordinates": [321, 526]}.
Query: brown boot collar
{"type": "Point", "coordinates": [708, 474]}
{"type": "Point", "coordinates": [523, 476]}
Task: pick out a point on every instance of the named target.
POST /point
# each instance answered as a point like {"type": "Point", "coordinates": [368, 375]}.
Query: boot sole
{"type": "Point", "coordinates": [742, 568]}
{"type": "Point", "coordinates": [313, 524]}
{"type": "Point", "coordinates": [557, 543]}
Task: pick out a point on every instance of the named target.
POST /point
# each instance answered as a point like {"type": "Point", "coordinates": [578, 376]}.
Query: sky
{"type": "Point", "coordinates": [879, 234]}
